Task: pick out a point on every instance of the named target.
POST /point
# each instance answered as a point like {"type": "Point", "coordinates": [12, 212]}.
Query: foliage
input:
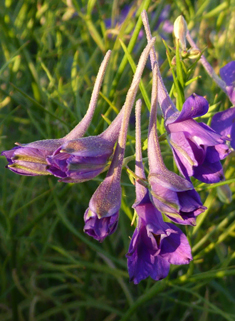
{"type": "Point", "coordinates": [50, 270]}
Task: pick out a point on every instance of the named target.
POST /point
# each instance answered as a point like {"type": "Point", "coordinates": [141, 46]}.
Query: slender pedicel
{"type": "Point", "coordinates": [166, 104]}
{"type": "Point", "coordinates": [81, 128]}
{"type": "Point", "coordinates": [207, 66]}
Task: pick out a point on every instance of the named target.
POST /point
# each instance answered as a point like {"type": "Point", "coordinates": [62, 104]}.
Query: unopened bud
{"type": "Point", "coordinates": [194, 53]}
{"type": "Point", "coordinates": [180, 31]}
{"type": "Point", "coordinates": [184, 53]}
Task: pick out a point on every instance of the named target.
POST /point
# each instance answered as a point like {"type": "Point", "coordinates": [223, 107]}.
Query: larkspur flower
{"type": "Point", "coordinates": [227, 73]}
{"type": "Point", "coordinates": [224, 123]}
{"type": "Point", "coordinates": [31, 159]}
{"type": "Point", "coordinates": [196, 147]}
{"type": "Point", "coordinates": [171, 193]}
{"type": "Point", "coordinates": [82, 159]}
{"type": "Point", "coordinates": [155, 244]}
{"type": "Point", "coordinates": [102, 215]}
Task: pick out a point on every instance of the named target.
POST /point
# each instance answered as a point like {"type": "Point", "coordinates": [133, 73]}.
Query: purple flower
{"type": "Point", "coordinates": [175, 197]}
{"type": "Point", "coordinates": [171, 194]}
{"type": "Point", "coordinates": [227, 73]}
{"type": "Point", "coordinates": [101, 218]}
{"type": "Point", "coordinates": [31, 159]}
{"type": "Point", "coordinates": [82, 159]}
{"type": "Point", "coordinates": [102, 215]}
{"type": "Point", "coordinates": [197, 148]}
{"type": "Point", "coordinates": [224, 124]}
{"type": "Point", "coordinates": [155, 245]}
{"type": "Point", "coordinates": [99, 228]}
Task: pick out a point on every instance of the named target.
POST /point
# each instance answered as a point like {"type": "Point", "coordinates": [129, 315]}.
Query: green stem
{"type": "Point", "coordinates": [14, 292]}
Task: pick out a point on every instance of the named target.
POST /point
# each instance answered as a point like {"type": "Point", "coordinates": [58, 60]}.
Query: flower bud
{"type": "Point", "coordinates": [194, 53]}
{"type": "Point", "coordinates": [180, 31]}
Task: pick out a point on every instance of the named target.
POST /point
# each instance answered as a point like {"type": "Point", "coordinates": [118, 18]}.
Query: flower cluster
{"type": "Point", "coordinates": [197, 150]}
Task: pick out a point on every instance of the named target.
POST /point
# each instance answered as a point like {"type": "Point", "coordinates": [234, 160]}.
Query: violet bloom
{"type": "Point", "coordinates": [82, 159]}
{"type": "Point", "coordinates": [102, 215]}
{"type": "Point", "coordinates": [196, 147]}
{"type": "Point", "coordinates": [79, 160]}
{"type": "Point", "coordinates": [171, 193]}
{"type": "Point", "coordinates": [224, 124]}
{"type": "Point", "coordinates": [227, 73]}
{"type": "Point", "coordinates": [31, 159]}
{"type": "Point", "coordinates": [155, 244]}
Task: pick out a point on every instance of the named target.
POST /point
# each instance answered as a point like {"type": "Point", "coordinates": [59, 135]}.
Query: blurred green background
{"type": "Point", "coordinates": [50, 53]}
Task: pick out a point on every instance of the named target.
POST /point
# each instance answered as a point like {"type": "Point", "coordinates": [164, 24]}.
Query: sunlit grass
{"type": "Point", "coordinates": [50, 53]}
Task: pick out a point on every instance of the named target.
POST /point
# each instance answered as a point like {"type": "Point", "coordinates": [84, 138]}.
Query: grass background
{"type": "Point", "coordinates": [50, 53]}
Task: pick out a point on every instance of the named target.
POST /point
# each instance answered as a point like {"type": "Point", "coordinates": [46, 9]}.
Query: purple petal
{"type": "Point", "coordinates": [199, 133]}
{"type": "Point", "coordinates": [140, 259]}
{"type": "Point", "coordinates": [209, 172]}
{"type": "Point", "coordinates": [216, 153]}
{"type": "Point", "coordinates": [233, 137]}
{"type": "Point", "coordinates": [194, 106]}
{"type": "Point", "coordinates": [165, 200]}
{"type": "Point", "coordinates": [28, 169]}
{"type": "Point", "coordinates": [152, 218]}
{"type": "Point", "coordinates": [231, 93]}
{"type": "Point", "coordinates": [227, 73]}
{"type": "Point", "coordinates": [175, 248]}
{"type": "Point", "coordinates": [183, 148]}
{"type": "Point", "coordinates": [190, 202]}
{"type": "Point", "coordinates": [97, 228]}
{"type": "Point", "coordinates": [78, 177]}
{"type": "Point", "coordinates": [224, 124]}
{"type": "Point", "coordinates": [9, 153]}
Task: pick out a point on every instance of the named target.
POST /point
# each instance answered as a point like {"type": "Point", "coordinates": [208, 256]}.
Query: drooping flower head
{"type": "Point", "coordinates": [196, 147]}
{"type": "Point", "coordinates": [82, 159]}
{"type": "Point", "coordinates": [102, 215]}
{"type": "Point", "coordinates": [31, 159]}
{"type": "Point", "coordinates": [171, 193]}
{"type": "Point", "coordinates": [155, 244]}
